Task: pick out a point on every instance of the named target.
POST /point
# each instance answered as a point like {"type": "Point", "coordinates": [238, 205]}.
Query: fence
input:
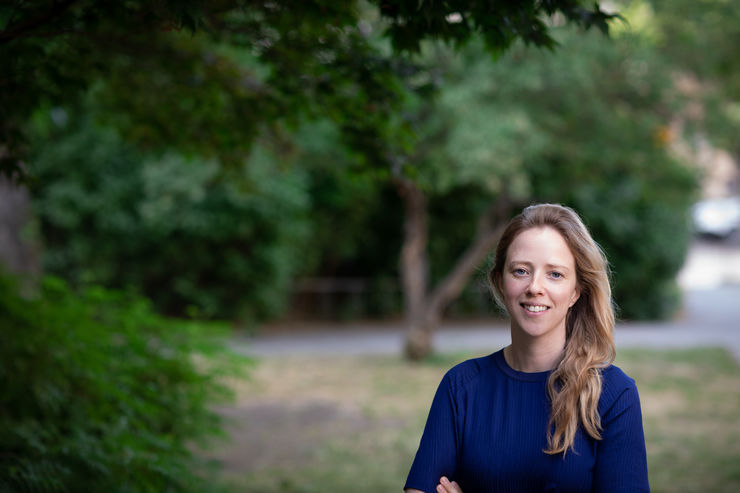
{"type": "Point", "coordinates": [334, 298]}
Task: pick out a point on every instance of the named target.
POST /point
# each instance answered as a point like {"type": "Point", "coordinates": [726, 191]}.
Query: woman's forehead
{"type": "Point", "coordinates": [540, 245]}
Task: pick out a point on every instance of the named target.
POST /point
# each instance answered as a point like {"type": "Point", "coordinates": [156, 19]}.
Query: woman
{"type": "Point", "coordinates": [549, 413]}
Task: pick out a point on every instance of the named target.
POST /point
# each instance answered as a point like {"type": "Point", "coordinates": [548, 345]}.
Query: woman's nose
{"type": "Point", "coordinates": [535, 286]}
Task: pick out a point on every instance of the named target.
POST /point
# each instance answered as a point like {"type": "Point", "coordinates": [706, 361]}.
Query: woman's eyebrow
{"type": "Point", "coordinates": [549, 266]}
{"type": "Point", "coordinates": [514, 261]}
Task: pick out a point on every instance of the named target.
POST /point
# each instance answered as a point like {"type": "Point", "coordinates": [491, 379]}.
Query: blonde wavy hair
{"type": "Point", "coordinates": [574, 386]}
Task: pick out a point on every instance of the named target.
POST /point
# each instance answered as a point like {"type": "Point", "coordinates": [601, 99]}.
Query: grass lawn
{"type": "Point", "coordinates": [353, 424]}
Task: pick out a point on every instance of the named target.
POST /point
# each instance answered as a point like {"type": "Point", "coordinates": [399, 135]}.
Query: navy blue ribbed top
{"type": "Point", "coordinates": [487, 429]}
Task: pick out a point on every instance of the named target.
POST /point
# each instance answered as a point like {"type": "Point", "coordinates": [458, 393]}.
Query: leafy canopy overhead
{"type": "Point", "coordinates": [204, 76]}
{"type": "Point", "coordinates": [500, 23]}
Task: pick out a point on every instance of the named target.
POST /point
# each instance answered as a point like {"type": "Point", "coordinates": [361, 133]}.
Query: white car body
{"type": "Point", "coordinates": [717, 217]}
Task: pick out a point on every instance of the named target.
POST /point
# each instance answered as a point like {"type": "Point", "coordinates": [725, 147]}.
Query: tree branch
{"type": "Point", "coordinates": [491, 225]}
{"type": "Point", "coordinates": [13, 32]}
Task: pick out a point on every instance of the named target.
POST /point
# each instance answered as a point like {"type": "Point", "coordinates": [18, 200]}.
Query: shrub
{"type": "Point", "coordinates": [101, 394]}
{"type": "Point", "coordinates": [176, 229]}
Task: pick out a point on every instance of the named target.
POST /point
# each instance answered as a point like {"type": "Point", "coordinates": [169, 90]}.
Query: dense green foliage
{"type": "Point", "coordinates": [183, 61]}
{"type": "Point", "coordinates": [585, 126]}
{"type": "Point", "coordinates": [700, 39]}
{"type": "Point", "coordinates": [194, 241]}
{"type": "Point", "coordinates": [99, 393]}
{"type": "Point", "coordinates": [201, 240]}
{"type": "Point", "coordinates": [515, 126]}
{"type": "Point", "coordinates": [275, 144]}
{"type": "Point", "coordinates": [608, 161]}
{"type": "Point", "coordinates": [698, 36]}
{"type": "Point", "coordinates": [500, 24]}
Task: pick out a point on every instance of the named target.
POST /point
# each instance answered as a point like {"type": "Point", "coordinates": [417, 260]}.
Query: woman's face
{"type": "Point", "coordinates": [539, 283]}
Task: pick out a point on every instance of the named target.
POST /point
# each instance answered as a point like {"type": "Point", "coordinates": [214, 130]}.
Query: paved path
{"type": "Point", "coordinates": [710, 317]}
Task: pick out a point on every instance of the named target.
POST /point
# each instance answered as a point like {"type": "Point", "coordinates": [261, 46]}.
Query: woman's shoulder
{"type": "Point", "coordinates": [469, 371]}
{"type": "Point", "coordinates": [616, 386]}
{"type": "Point", "coordinates": [614, 377]}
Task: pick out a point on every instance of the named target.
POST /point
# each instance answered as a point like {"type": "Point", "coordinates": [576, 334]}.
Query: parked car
{"type": "Point", "coordinates": [717, 217]}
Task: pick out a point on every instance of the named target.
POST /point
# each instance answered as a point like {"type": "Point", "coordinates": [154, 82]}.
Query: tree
{"type": "Point", "coordinates": [203, 93]}
{"type": "Point", "coordinates": [317, 57]}
{"type": "Point", "coordinates": [157, 64]}
{"type": "Point", "coordinates": [698, 40]}
{"type": "Point", "coordinates": [518, 130]}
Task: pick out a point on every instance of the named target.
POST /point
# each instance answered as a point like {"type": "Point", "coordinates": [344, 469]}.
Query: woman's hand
{"type": "Point", "coordinates": [445, 486]}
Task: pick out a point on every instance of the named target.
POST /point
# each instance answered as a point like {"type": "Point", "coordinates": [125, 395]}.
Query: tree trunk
{"type": "Point", "coordinates": [18, 254]}
{"type": "Point", "coordinates": [414, 268]}
{"type": "Point", "coordinates": [424, 310]}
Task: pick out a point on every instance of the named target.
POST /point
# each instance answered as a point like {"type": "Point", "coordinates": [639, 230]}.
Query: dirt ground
{"type": "Point", "coordinates": [269, 434]}
{"type": "Point", "coordinates": [292, 408]}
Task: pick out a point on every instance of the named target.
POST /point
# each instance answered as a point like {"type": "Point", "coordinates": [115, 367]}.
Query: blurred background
{"type": "Point", "coordinates": [271, 222]}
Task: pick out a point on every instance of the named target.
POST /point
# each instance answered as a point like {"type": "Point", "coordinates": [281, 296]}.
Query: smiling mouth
{"type": "Point", "coordinates": [535, 308]}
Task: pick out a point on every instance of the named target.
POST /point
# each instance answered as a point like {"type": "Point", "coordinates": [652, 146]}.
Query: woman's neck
{"type": "Point", "coordinates": [532, 357]}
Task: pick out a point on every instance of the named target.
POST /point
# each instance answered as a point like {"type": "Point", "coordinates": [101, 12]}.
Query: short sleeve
{"type": "Point", "coordinates": [438, 450]}
{"type": "Point", "coordinates": [621, 464]}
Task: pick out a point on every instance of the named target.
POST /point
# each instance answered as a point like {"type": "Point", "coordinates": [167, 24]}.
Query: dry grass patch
{"type": "Point", "coordinates": [691, 411]}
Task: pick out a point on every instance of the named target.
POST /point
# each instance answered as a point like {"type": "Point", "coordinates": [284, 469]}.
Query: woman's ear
{"type": "Point", "coordinates": [574, 297]}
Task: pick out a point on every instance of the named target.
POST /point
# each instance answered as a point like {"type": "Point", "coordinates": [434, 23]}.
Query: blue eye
{"type": "Point", "coordinates": [520, 272]}
{"type": "Point", "coordinates": [556, 275]}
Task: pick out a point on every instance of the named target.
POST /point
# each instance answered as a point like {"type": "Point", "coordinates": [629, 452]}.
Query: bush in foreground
{"type": "Point", "coordinates": [101, 394]}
